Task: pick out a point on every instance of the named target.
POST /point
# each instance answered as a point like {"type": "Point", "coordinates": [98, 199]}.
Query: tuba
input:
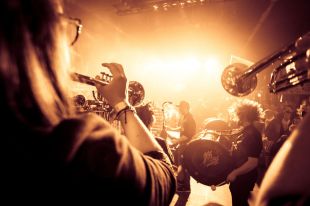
{"type": "Point", "coordinates": [292, 67]}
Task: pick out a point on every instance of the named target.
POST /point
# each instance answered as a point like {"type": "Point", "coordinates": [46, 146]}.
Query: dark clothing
{"type": "Point", "coordinates": [162, 142]}
{"type": "Point", "coordinates": [84, 159]}
{"type": "Point", "coordinates": [274, 129]}
{"type": "Point", "coordinates": [188, 129]}
{"type": "Point", "coordinates": [183, 177]}
{"type": "Point", "coordinates": [277, 145]}
{"type": "Point", "coordinates": [249, 144]}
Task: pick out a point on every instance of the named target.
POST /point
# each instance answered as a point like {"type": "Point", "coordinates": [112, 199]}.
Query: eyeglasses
{"type": "Point", "coordinates": [74, 29]}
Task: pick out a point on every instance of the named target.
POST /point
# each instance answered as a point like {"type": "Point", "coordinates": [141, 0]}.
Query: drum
{"type": "Point", "coordinates": [214, 123]}
{"type": "Point", "coordinates": [207, 161]}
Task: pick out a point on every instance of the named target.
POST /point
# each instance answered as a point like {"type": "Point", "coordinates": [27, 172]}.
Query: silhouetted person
{"type": "Point", "coordinates": [51, 154]}
{"type": "Point", "coordinates": [246, 151]}
{"type": "Point", "coordinates": [187, 126]}
{"type": "Point", "coordinates": [146, 114]}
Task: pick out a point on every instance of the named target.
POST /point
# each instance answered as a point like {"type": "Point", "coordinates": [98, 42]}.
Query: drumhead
{"type": "Point", "coordinates": [207, 161]}
{"type": "Point", "coordinates": [214, 123]}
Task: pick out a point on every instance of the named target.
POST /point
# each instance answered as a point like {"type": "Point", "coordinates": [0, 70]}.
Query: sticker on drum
{"type": "Point", "coordinates": [207, 161]}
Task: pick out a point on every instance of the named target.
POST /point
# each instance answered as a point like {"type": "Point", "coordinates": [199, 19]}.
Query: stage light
{"type": "Point", "coordinates": [155, 7]}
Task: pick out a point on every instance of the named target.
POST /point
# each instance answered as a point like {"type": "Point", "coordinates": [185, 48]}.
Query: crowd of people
{"type": "Point", "coordinates": [51, 153]}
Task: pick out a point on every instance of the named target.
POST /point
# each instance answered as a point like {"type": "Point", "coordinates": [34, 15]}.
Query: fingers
{"type": "Point", "coordinates": [116, 90]}
{"type": "Point", "coordinates": [115, 69]}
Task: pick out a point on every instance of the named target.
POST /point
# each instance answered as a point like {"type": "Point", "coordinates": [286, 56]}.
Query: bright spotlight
{"type": "Point", "coordinates": [212, 63]}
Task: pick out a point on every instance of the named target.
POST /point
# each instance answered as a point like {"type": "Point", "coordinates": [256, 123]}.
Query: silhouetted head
{"type": "Point", "coordinates": [33, 62]}
{"type": "Point", "coordinates": [183, 107]}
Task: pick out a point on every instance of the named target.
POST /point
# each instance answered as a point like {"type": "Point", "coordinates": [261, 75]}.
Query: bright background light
{"type": "Point", "coordinates": [177, 54]}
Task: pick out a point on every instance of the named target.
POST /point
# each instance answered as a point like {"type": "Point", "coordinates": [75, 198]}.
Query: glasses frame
{"type": "Point", "coordinates": [78, 23]}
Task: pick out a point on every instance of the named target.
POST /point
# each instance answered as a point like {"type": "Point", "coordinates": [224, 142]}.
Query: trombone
{"type": "Point", "coordinates": [293, 69]}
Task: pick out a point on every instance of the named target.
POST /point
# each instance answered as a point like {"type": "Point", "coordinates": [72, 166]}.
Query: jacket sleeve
{"type": "Point", "coordinates": [103, 158]}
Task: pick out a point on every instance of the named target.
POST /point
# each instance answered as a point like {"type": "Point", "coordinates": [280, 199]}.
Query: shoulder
{"type": "Point", "coordinates": [252, 130]}
{"type": "Point", "coordinates": [70, 135]}
{"type": "Point", "coordinates": [251, 133]}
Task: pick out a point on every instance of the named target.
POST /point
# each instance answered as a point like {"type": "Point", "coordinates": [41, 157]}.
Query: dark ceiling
{"type": "Point", "coordinates": [260, 25]}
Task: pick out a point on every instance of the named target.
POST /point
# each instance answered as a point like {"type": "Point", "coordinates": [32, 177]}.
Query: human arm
{"type": "Point", "coordinates": [247, 153]}
{"type": "Point", "coordinates": [246, 167]}
{"type": "Point", "coordinates": [115, 93]}
{"type": "Point", "coordinates": [172, 128]}
{"type": "Point", "coordinates": [179, 140]}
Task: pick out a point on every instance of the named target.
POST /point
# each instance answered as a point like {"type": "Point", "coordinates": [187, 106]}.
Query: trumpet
{"type": "Point", "coordinates": [136, 91]}
{"type": "Point", "coordinates": [293, 68]}
{"type": "Point", "coordinates": [90, 80]}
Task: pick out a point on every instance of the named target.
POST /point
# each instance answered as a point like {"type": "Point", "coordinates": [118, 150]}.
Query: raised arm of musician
{"type": "Point", "coordinates": [116, 94]}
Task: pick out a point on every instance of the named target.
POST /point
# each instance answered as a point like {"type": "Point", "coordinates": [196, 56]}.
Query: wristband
{"type": "Point", "coordinates": [120, 106]}
{"type": "Point", "coordinates": [125, 110]}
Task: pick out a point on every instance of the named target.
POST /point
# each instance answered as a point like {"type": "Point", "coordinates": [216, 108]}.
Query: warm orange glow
{"type": "Point", "coordinates": [176, 55]}
{"type": "Point", "coordinates": [237, 59]}
{"type": "Point", "coordinates": [171, 116]}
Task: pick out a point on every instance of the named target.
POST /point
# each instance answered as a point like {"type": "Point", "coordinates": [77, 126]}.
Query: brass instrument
{"type": "Point", "coordinates": [135, 89]}
{"type": "Point", "coordinates": [293, 68]}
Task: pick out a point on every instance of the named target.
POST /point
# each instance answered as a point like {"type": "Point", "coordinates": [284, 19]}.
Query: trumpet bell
{"type": "Point", "coordinates": [136, 93]}
{"type": "Point", "coordinates": [233, 81]}
{"type": "Point", "coordinates": [291, 67]}
{"type": "Point", "coordinates": [79, 100]}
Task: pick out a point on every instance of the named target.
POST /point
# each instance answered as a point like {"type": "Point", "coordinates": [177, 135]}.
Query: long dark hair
{"type": "Point", "coordinates": [32, 63]}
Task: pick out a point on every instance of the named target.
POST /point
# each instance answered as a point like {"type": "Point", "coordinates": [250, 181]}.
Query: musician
{"type": "Point", "coordinates": [187, 126]}
{"type": "Point", "coordinates": [147, 116]}
{"type": "Point", "coordinates": [246, 151]}
{"type": "Point", "coordinates": [50, 155]}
